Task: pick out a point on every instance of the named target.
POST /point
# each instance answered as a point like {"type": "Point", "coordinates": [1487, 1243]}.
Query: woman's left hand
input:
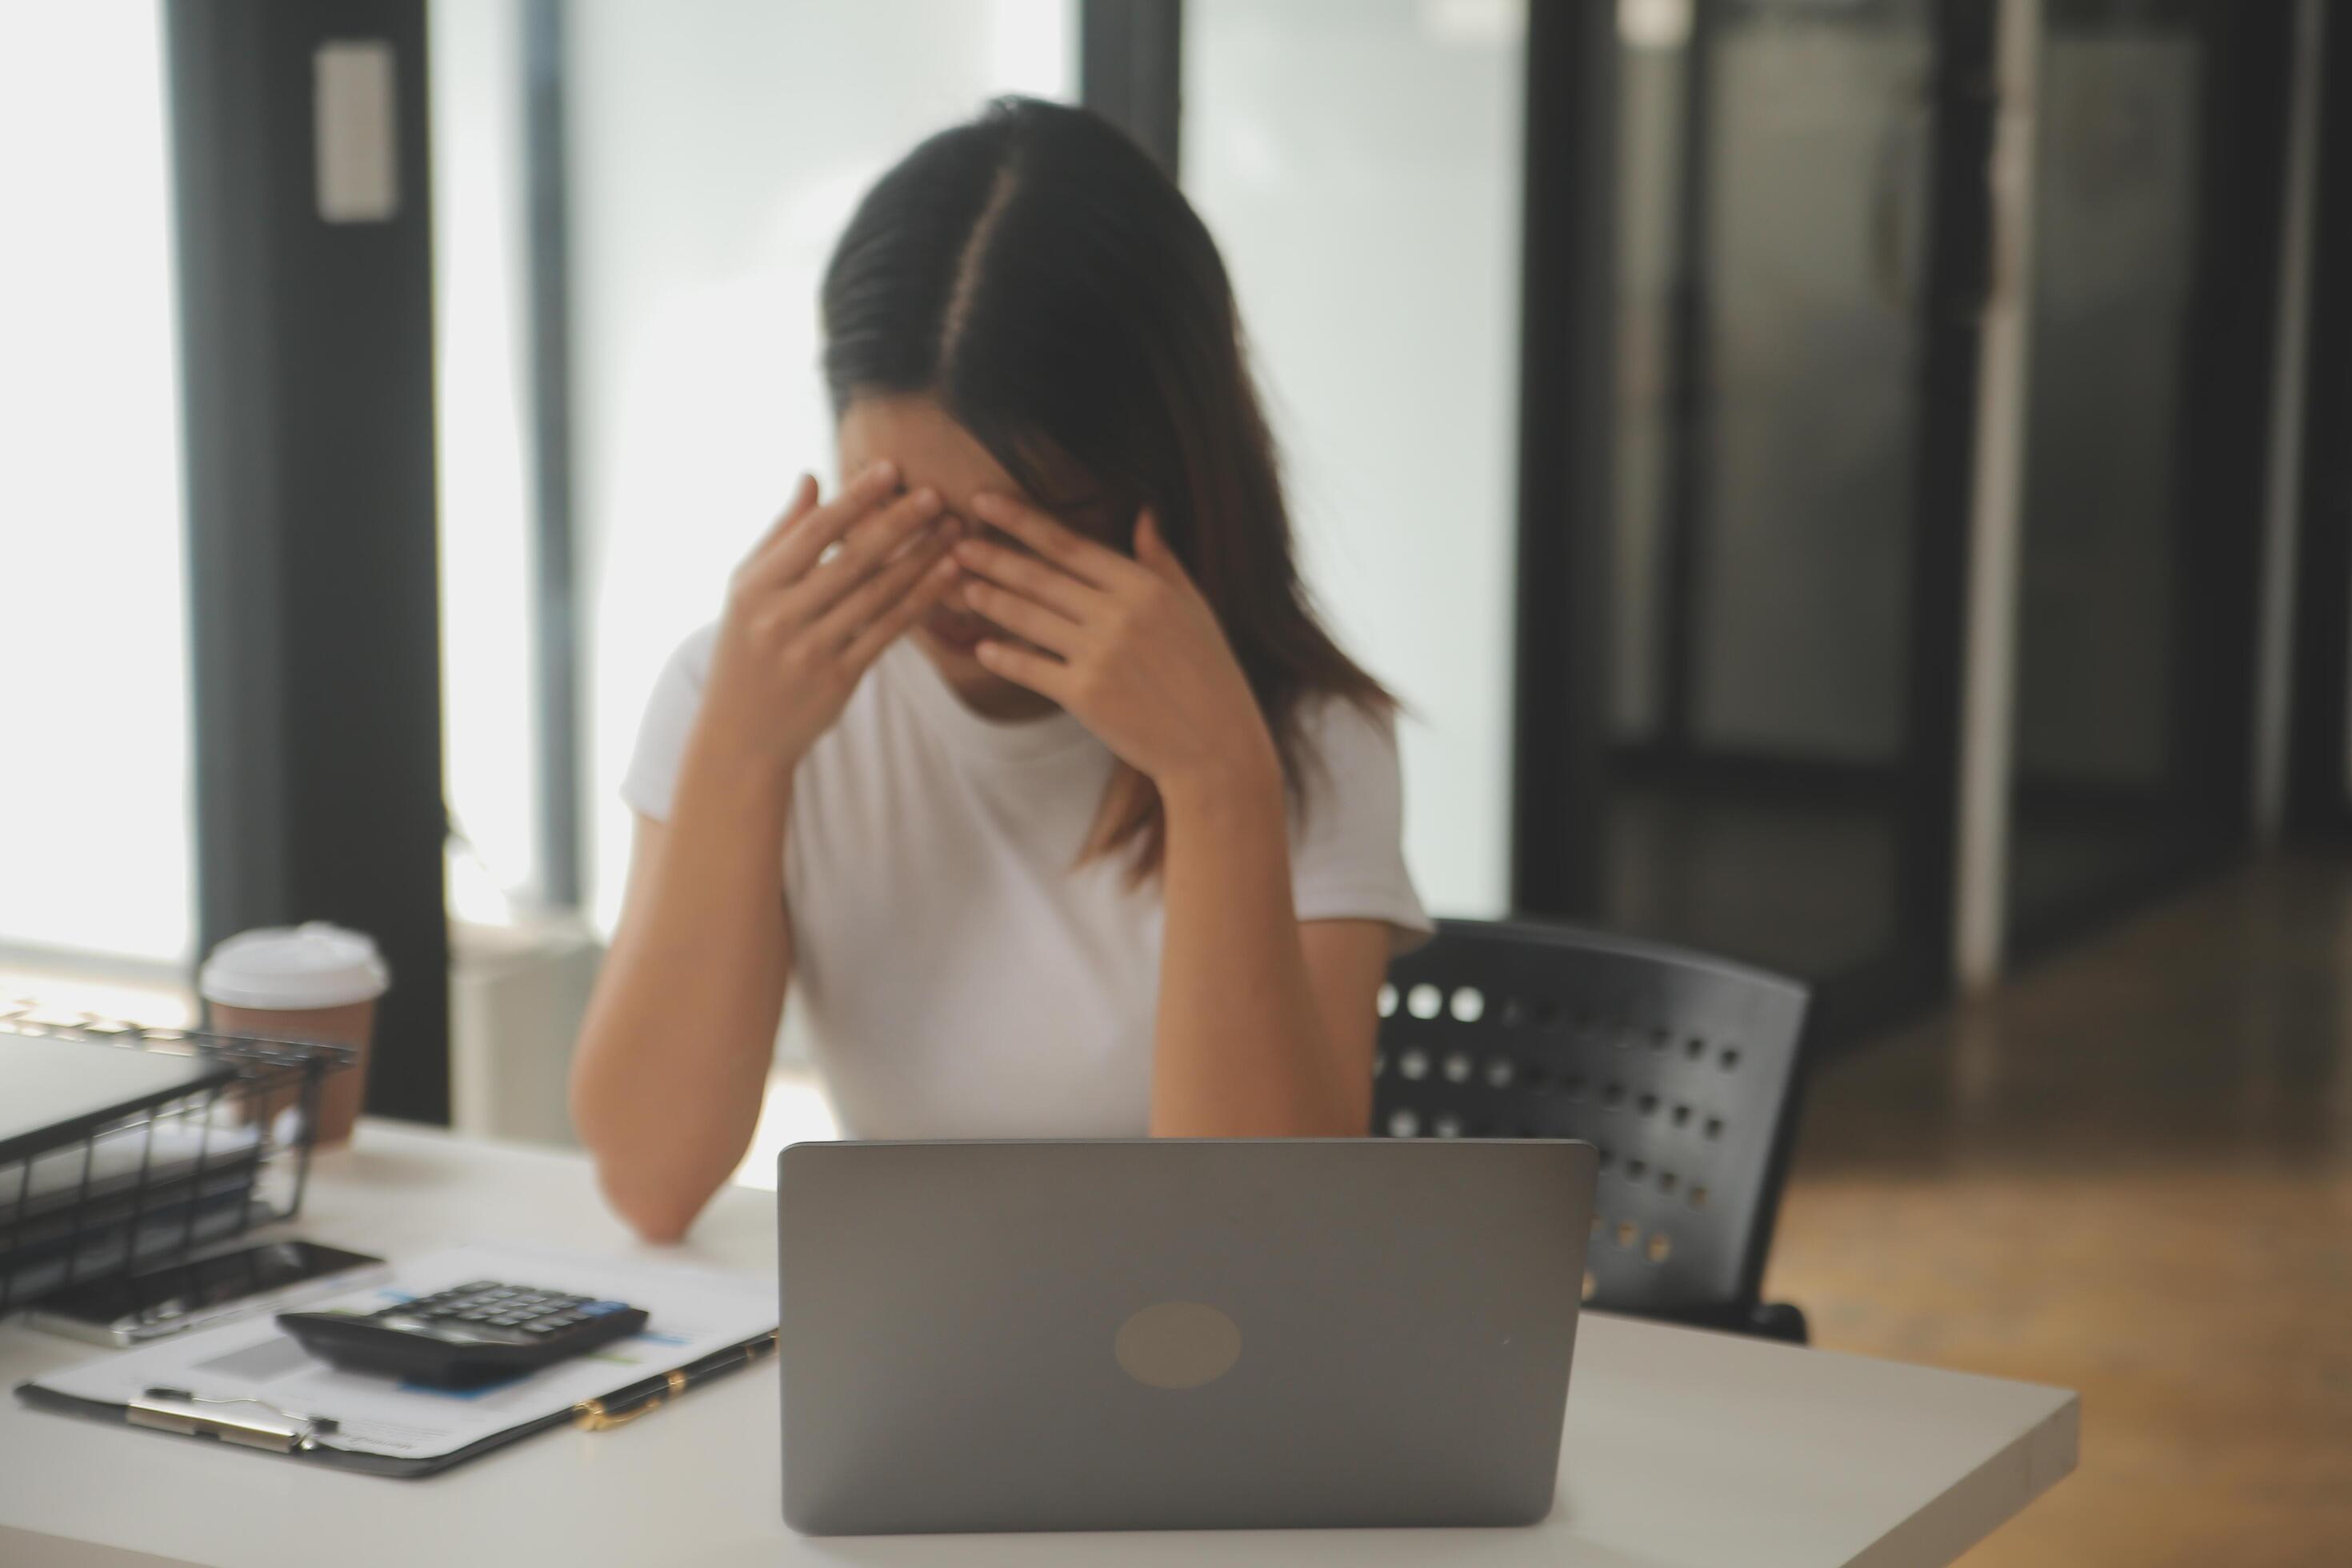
{"type": "Point", "coordinates": [1128, 646]}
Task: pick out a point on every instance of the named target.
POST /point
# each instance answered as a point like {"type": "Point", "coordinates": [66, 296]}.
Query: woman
{"type": "Point", "coordinates": [1023, 759]}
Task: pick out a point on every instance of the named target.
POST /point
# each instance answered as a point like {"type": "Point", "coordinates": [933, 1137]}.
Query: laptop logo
{"type": "Point", "coordinates": [1177, 1344]}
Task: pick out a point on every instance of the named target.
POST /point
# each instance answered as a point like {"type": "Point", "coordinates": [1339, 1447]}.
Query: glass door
{"type": "Point", "coordinates": [1799, 218]}
{"type": "Point", "coordinates": [2153, 285]}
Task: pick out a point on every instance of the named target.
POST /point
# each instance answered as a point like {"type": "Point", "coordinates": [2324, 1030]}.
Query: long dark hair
{"type": "Point", "coordinates": [1040, 277]}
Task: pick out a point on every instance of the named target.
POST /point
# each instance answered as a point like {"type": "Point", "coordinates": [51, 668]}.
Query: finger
{"type": "Point", "coordinates": [802, 498]}
{"type": "Point", "coordinates": [875, 596]}
{"type": "Point", "coordinates": [797, 547]}
{"type": "Point", "coordinates": [1073, 552]}
{"type": "Point", "coordinates": [892, 624]}
{"type": "Point", "coordinates": [1046, 676]}
{"type": "Point", "coordinates": [885, 532]}
{"type": "Point", "coordinates": [1024, 617]}
{"type": "Point", "coordinates": [1152, 549]}
{"type": "Point", "coordinates": [1029, 576]}
{"type": "Point", "coordinates": [871, 545]}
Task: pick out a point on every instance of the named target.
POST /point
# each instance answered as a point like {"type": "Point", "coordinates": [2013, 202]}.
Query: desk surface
{"type": "Point", "coordinates": [1682, 1447]}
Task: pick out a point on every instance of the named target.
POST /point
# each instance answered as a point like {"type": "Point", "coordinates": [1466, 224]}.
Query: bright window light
{"type": "Point", "coordinates": [95, 791]}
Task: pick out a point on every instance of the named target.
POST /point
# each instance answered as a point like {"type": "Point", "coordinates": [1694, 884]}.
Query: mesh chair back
{"type": "Point", "coordinates": [1681, 1069]}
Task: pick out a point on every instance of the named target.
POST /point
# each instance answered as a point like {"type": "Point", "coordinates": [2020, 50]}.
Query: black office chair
{"type": "Point", "coordinates": [1684, 1070]}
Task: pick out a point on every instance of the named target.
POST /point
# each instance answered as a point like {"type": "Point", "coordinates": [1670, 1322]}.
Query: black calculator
{"type": "Point", "coordinates": [472, 1334]}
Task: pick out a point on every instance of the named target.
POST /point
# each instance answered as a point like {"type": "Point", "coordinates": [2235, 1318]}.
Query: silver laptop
{"type": "Point", "coordinates": [1177, 1334]}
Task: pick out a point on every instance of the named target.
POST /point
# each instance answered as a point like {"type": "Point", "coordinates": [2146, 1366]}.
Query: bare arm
{"type": "Point", "coordinates": [666, 1082]}
{"type": "Point", "coordinates": [1265, 1025]}
{"type": "Point", "coordinates": [673, 1059]}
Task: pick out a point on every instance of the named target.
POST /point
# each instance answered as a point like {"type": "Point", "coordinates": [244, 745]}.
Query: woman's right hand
{"type": "Point", "coordinates": [802, 625]}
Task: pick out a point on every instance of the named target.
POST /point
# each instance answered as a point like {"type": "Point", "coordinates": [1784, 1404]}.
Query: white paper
{"type": "Point", "coordinates": [163, 1150]}
{"type": "Point", "coordinates": [691, 1312]}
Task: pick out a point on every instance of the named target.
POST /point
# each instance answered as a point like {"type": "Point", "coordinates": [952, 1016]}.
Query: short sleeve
{"type": "Point", "coordinates": [1347, 842]}
{"type": "Point", "coordinates": [651, 781]}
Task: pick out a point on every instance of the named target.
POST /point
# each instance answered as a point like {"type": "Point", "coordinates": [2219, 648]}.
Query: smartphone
{"type": "Point", "coordinates": [134, 1309]}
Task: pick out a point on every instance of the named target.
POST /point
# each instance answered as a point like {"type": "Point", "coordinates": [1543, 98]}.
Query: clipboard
{"type": "Point", "coordinates": [247, 1383]}
{"type": "Point", "coordinates": [255, 1423]}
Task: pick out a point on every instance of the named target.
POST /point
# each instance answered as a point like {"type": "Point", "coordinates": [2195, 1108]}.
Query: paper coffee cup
{"type": "Point", "coordinates": [314, 981]}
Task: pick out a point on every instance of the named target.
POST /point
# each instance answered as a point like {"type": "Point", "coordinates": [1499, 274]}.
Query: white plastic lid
{"type": "Point", "coordinates": [287, 967]}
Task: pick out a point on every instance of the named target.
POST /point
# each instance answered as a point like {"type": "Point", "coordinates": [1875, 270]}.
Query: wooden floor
{"type": "Point", "coordinates": [2129, 1173]}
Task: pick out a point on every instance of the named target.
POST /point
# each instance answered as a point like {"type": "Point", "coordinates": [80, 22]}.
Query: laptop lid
{"type": "Point", "coordinates": [1176, 1333]}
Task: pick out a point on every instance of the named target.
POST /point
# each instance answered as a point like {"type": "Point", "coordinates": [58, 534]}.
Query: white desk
{"type": "Point", "coordinates": [1682, 1447]}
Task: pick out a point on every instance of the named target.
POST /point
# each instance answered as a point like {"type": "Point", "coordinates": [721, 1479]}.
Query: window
{"type": "Point", "coordinates": [481, 308]}
{"type": "Point", "coordinates": [1360, 166]}
{"type": "Point", "coordinates": [97, 793]}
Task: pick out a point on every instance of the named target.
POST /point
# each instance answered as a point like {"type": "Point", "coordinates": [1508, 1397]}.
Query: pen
{"type": "Point", "coordinates": [626, 1405]}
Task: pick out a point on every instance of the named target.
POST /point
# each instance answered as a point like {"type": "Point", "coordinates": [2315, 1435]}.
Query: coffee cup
{"type": "Point", "coordinates": [315, 983]}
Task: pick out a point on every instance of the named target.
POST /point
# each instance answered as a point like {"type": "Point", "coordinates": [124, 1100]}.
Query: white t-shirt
{"type": "Point", "coordinates": [960, 973]}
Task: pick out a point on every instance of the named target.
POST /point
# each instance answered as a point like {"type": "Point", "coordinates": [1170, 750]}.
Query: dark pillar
{"type": "Point", "coordinates": [1567, 417]}
{"type": "Point", "coordinates": [1130, 68]}
{"type": "Point", "coordinates": [307, 345]}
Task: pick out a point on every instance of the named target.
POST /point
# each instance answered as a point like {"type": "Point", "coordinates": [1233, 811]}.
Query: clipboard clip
{"type": "Point", "coordinates": [194, 1416]}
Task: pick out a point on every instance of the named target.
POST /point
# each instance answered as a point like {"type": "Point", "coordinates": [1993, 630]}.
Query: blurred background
{"type": "Point", "coordinates": [1863, 488]}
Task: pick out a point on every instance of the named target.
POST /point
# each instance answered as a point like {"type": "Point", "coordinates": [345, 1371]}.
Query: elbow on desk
{"type": "Point", "coordinates": [660, 1225]}
{"type": "Point", "coordinates": [658, 1215]}
{"type": "Point", "coordinates": [658, 1207]}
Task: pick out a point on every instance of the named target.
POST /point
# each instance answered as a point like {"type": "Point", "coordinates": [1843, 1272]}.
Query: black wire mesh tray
{"type": "Point", "coordinates": [191, 1139]}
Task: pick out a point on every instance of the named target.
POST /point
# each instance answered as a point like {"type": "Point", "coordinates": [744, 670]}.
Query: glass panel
{"type": "Point", "coordinates": [717, 149]}
{"type": "Point", "coordinates": [2115, 215]}
{"type": "Point", "coordinates": [1815, 144]}
{"type": "Point", "coordinates": [97, 785]}
{"type": "Point", "coordinates": [1358, 161]}
{"type": "Point", "coordinates": [1773, 195]}
{"type": "Point", "coordinates": [481, 367]}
